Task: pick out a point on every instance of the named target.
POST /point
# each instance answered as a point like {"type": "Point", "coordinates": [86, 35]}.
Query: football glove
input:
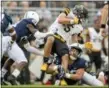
{"type": "Point", "coordinates": [76, 20]}
{"type": "Point", "coordinates": [88, 45]}
{"type": "Point", "coordinates": [61, 72]}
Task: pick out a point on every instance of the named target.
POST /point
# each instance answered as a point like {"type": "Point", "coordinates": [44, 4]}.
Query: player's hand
{"type": "Point", "coordinates": [88, 45]}
{"type": "Point", "coordinates": [61, 72]}
{"type": "Point", "coordinates": [76, 20]}
{"type": "Point", "coordinates": [10, 43]}
{"type": "Point", "coordinates": [23, 40]}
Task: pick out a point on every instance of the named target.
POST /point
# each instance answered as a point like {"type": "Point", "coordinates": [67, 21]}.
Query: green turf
{"type": "Point", "coordinates": [43, 86]}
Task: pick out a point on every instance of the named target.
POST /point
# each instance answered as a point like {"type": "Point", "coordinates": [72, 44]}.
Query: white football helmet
{"type": "Point", "coordinates": [76, 46]}
{"type": "Point", "coordinates": [32, 14]}
{"type": "Point", "coordinates": [74, 55]}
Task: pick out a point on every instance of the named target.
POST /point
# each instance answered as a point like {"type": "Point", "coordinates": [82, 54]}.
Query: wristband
{"type": "Point", "coordinates": [67, 75]}
{"type": "Point", "coordinates": [55, 67]}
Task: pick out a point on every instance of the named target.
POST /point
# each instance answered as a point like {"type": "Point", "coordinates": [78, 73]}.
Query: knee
{"type": "Point", "coordinates": [23, 63]}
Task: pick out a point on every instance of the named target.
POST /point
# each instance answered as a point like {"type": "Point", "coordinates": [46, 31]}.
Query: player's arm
{"type": "Point", "coordinates": [104, 16]}
{"type": "Point", "coordinates": [32, 49]}
{"type": "Point", "coordinates": [63, 19]}
{"type": "Point", "coordinates": [77, 76]}
{"type": "Point", "coordinates": [12, 32]}
{"type": "Point", "coordinates": [29, 48]}
{"type": "Point", "coordinates": [89, 47]}
{"type": "Point", "coordinates": [39, 35]}
{"type": "Point", "coordinates": [31, 28]}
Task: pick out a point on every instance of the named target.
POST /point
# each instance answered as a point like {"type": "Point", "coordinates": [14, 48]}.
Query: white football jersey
{"type": "Point", "coordinates": [65, 31]}
{"type": "Point", "coordinates": [96, 38]}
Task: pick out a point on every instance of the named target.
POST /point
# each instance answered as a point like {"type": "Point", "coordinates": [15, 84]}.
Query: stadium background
{"type": "Point", "coordinates": [48, 11]}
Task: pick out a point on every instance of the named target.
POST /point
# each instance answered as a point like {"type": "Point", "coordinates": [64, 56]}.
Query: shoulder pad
{"type": "Point", "coordinates": [66, 11]}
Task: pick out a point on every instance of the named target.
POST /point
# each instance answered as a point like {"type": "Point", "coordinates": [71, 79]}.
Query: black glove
{"type": "Point", "coordinates": [23, 40]}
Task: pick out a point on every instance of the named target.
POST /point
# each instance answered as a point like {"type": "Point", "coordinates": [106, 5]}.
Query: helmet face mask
{"type": "Point", "coordinates": [75, 51]}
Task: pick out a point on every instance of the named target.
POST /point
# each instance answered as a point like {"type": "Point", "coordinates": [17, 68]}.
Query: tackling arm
{"type": "Point", "coordinates": [104, 15]}
{"type": "Point", "coordinates": [12, 32]}
{"type": "Point", "coordinates": [62, 18]}
{"type": "Point", "coordinates": [77, 76]}
{"type": "Point", "coordinates": [32, 49]}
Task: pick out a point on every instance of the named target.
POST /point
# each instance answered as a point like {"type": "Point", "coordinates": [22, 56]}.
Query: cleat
{"type": "Point", "coordinates": [44, 67]}
{"type": "Point", "coordinates": [12, 80]}
{"type": "Point", "coordinates": [3, 82]}
{"type": "Point", "coordinates": [63, 82]}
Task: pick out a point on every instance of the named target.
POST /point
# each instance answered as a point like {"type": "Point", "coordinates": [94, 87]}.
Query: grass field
{"type": "Point", "coordinates": [43, 86]}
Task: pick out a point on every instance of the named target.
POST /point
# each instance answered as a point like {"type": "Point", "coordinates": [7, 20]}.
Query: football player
{"type": "Point", "coordinates": [93, 35]}
{"type": "Point", "coordinates": [77, 68]}
{"type": "Point", "coordinates": [76, 65]}
{"type": "Point", "coordinates": [62, 30]}
{"type": "Point", "coordinates": [23, 29]}
{"type": "Point", "coordinates": [9, 45]}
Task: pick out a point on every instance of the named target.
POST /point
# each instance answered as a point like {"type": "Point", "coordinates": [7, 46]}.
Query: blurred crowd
{"type": "Point", "coordinates": [46, 15]}
{"type": "Point", "coordinates": [46, 18]}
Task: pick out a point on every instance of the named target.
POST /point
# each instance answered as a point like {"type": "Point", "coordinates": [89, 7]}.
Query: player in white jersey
{"type": "Point", "coordinates": [61, 28]}
{"type": "Point", "coordinates": [104, 21]}
{"type": "Point", "coordinates": [93, 35]}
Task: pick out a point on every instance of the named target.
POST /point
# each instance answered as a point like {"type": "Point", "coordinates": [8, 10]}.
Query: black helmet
{"type": "Point", "coordinates": [80, 11]}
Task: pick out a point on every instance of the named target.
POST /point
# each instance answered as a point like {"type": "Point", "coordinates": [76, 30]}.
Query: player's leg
{"type": "Point", "coordinates": [6, 67]}
{"type": "Point", "coordinates": [61, 49]}
{"type": "Point", "coordinates": [101, 77]}
{"type": "Point", "coordinates": [17, 55]}
{"type": "Point", "coordinates": [4, 45]}
{"type": "Point", "coordinates": [63, 52]}
{"type": "Point", "coordinates": [47, 51]}
{"type": "Point", "coordinates": [98, 59]}
{"type": "Point", "coordinates": [91, 80]}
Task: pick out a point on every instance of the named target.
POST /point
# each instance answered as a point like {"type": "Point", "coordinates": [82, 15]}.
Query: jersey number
{"type": "Point", "coordinates": [67, 28]}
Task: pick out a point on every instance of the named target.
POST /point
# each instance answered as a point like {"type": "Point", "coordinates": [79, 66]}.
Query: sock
{"type": "Point", "coordinates": [57, 81]}
{"type": "Point", "coordinates": [101, 74]}
{"type": "Point", "coordinates": [3, 72]}
{"type": "Point", "coordinates": [16, 73]}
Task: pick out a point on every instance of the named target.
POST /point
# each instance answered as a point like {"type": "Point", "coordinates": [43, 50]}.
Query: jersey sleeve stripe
{"type": "Point", "coordinates": [66, 11]}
